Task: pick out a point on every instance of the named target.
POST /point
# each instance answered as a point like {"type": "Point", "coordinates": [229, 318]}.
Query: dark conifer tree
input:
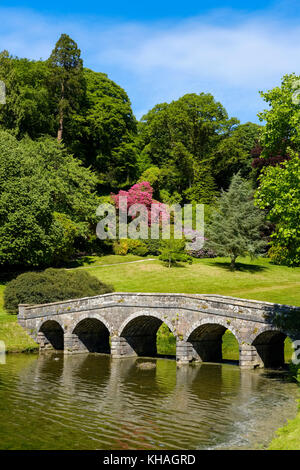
{"type": "Point", "coordinates": [236, 223]}
{"type": "Point", "coordinates": [66, 79]}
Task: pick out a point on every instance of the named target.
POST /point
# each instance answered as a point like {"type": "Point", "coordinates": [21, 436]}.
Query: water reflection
{"type": "Point", "coordinates": [90, 401]}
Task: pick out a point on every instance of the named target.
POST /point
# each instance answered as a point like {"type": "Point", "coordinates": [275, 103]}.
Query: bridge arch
{"type": "Point", "coordinates": [52, 333]}
{"type": "Point", "coordinates": [92, 332]}
{"type": "Point", "coordinates": [93, 315]}
{"type": "Point", "coordinates": [140, 330]}
{"type": "Point", "coordinates": [219, 321]}
{"type": "Point", "coordinates": [269, 344]}
{"type": "Point", "coordinates": [205, 336]}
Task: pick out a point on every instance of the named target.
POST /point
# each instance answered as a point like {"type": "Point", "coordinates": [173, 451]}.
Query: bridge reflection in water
{"type": "Point", "coordinates": [90, 401]}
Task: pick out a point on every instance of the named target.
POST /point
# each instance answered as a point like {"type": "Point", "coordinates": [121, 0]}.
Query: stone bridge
{"type": "Point", "coordinates": [126, 324]}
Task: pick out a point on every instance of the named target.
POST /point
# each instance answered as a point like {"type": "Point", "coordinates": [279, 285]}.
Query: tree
{"type": "Point", "coordinates": [279, 195]}
{"type": "Point", "coordinates": [172, 251]}
{"type": "Point", "coordinates": [204, 188]}
{"type": "Point", "coordinates": [106, 131]}
{"type": "Point", "coordinates": [153, 176]}
{"type": "Point", "coordinates": [282, 128]}
{"type": "Point", "coordinates": [66, 79]}
{"type": "Point", "coordinates": [278, 191]}
{"type": "Point", "coordinates": [235, 226]}
{"type": "Point", "coordinates": [28, 109]}
{"type": "Point", "coordinates": [97, 123]}
{"type": "Point", "coordinates": [181, 139]}
{"type": "Point", "coordinates": [46, 201]}
{"type": "Point", "coordinates": [233, 154]}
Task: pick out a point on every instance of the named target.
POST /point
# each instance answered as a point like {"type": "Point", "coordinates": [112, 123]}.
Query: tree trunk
{"type": "Point", "coordinates": [232, 263]}
{"type": "Point", "coordinates": [60, 127]}
{"type": "Point", "coordinates": [61, 114]}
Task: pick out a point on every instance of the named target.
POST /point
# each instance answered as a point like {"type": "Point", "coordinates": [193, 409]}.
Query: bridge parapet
{"type": "Point", "coordinates": [204, 302]}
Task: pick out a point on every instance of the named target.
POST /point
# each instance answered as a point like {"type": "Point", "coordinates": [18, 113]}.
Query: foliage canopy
{"type": "Point", "coordinates": [47, 200]}
{"type": "Point", "coordinates": [279, 195]}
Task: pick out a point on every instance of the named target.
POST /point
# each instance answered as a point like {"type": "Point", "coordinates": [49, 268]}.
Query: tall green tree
{"type": "Point", "coordinates": [91, 112]}
{"type": "Point", "coordinates": [282, 117]}
{"type": "Point", "coordinates": [233, 154]}
{"type": "Point", "coordinates": [181, 138]}
{"type": "Point", "coordinates": [279, 195]}
{"type": "Point", "coordinates": [47, 201]}
{"type": "Point", "coordinates": [66, 80]}
{"type": "Point", "coordinates": [236, 224]}
{"type": "Point", "coordinates": [28, 109]}
{"type": "Point", "coordinates": [108, 131]}
{"type": "Point", "coordinates": [279, 182]}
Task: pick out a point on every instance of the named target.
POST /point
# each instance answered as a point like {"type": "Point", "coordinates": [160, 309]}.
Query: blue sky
{"type": "Point", "coordinates": [159, 50]}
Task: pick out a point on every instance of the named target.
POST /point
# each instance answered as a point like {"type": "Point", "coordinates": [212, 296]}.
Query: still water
{"type": "Point", "coordinates": [92, 402]}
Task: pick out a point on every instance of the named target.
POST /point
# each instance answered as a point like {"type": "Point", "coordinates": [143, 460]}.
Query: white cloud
{"type": "Point", "coordinates": [231, 55]}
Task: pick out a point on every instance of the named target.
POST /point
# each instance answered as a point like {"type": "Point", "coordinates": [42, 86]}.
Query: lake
{"type": "Point", "coordinates": [89, 401]}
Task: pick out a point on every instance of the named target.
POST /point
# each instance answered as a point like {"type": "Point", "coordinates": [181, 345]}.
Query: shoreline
{"type": "Point", "coordinates": [288, 436]}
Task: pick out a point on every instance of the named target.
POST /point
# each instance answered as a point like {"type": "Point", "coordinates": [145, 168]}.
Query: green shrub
{"type": "Point", "coordinates": [137, 247]}
{"type": "Point", "coordinates": [120, 247]}
{"type": "Point", "coordinates": [92, 245]}
{"type": "Point", "coordinates": [173, 251]}
{"type": "Point", "coordinates": [295, 372]}
{"type": "Point", "coordinates": [51, 285]}
{"type": "Point", "coordinates": [153, 246]}
{"type": "Point", "coordinates": [283, 255]}
{"type": "Point", "coordinates": [128, 245]}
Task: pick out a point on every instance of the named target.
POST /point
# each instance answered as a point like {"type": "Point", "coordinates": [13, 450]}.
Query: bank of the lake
{"type": "Point", "coordinates": [14, 336]}
{"type": "Point", "coordinates": [288, 437]}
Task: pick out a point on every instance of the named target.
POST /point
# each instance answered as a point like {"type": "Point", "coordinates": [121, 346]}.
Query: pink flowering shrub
{"type": "Point", "coordinates": [141, 193]}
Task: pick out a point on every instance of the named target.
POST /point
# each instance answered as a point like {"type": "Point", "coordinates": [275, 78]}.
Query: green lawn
{"type": "Point", "coordinates": [254, 280]}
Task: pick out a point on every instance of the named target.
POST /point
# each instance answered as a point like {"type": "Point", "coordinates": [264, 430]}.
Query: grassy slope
{"type": "Point", "coordinates": [254, 280]}
{"type": "Point", "coordinates": [13, 335]}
